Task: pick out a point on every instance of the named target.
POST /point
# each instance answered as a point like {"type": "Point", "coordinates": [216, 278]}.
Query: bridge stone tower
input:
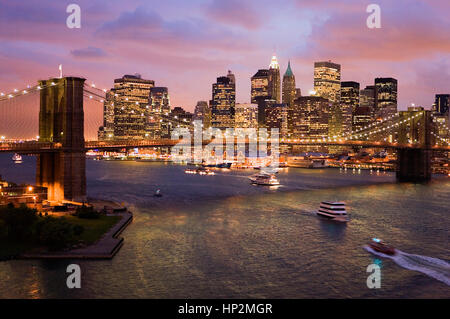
{"type": "Point", "coordinates": [61, 120]}
{"type": "Point", "coordinates": [414, 164]}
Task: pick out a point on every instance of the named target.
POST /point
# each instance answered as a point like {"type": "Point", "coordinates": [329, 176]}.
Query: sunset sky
{"type": "Point", "coordinates": [185, 45]}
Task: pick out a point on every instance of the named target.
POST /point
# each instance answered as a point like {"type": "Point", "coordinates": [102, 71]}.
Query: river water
{"type": "Point", "coordinates": [220, 237]}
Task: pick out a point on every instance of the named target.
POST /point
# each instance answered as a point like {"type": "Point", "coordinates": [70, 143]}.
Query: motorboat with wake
{"type": "Point", "coordinates": [334, 211]}
{"type": "Point", "coordinates": [379, 246]}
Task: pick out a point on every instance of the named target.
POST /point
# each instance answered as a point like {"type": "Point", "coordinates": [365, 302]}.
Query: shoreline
{"type": "Point", "coordinates": [105, 248]}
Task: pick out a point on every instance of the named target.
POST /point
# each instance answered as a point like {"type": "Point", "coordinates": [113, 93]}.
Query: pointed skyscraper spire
{"type": "Point", "coordinates": [288, 70]}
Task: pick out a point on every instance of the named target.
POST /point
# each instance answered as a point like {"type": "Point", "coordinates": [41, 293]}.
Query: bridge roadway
{"type": "Point", "coordinates": [35, 147]}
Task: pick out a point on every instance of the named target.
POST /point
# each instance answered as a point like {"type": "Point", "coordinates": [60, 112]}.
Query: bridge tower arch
{"type": "Point", "coordinates": [61, 120]}
{"type": "Point", "coordinates": [414, 164]}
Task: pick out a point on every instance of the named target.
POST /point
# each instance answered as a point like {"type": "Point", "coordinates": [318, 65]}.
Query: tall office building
{"type": "Point", "coordinates": [309, 117]}
{"type": "Point", "coordinates": [106, 132]}
{"type": "Point", "coordinates": [129, 100]}
{"type": "Point", "coordinates": [202, 113]}
{"type": "Point", "coordinates": [246, 115]}
{"type": "Point", "coordinates": [223, 102]}
{"type": "Point", "coordinates": [275, 80]}
{"type": "Point", "coordinates": [158, 113]}
{"type": "Point", "coordinates": [362, 117]}
{"type": "Point", "coordinates": [349, 103]}
{"type": "Point", "coordinates": [327, 80]}
{"type": "Point", "coordinates": [386, 97]}
{"type": "Point", "coordinates": [442, 104]}
{"type": "Point", "coordinates": [260, 85]}
{"type": "Point", "coordinates": [289, 90]}
{"type": "Point", "coordinates": [277, 117]}
{"type": "Point", "coordinates": [367, 98]}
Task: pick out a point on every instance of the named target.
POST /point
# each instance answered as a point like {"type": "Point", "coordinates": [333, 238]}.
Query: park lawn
{"type": "Point", "coordinates": [94, 229]}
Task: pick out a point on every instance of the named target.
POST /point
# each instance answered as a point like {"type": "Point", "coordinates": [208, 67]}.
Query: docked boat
{"type": "Point", "coordinates": [264, 179]}
{"type": "Point", "coordinates": [333, 211]}
{"type": "Point", "coordinates": [306, 162]}
{"type": "Point", "coordinates": [221, 165]}
{"type": "Point", "coordinates": [17, 158]}
{"type": "Point", "coordinates": [379, 246]}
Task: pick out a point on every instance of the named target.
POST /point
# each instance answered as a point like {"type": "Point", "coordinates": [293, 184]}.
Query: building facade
{"type": "Point", "coordinates": [246, 115]}
{"type": "Point", "coordinates": [159, 113]}
{"type": "Point", "coordinates": [275, 80]}
{"type": "Point", "coordinates": [289, 90]}
{"type": "Point", "coordinates": [127, 108]}
{"type": "Point", "coordinates": [223, 102]}
{"type": "Point", "coordinates": [327, 80]}
{"type": "Point", "coordinates": [260, 85]}
{"type": "Point", "coordinates": [349, 103]}
{"type": "Point", "coordinates": [202, 113]}
{"type": "Point", "coordinates": [386, 97]}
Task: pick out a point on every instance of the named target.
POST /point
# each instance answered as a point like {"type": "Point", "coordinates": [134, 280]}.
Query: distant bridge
{"type": "Point", "coordinates": [61, 144]}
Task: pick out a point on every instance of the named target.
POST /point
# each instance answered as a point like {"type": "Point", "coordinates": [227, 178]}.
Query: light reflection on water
{"type": "Point", "coordinates": [219, 236]}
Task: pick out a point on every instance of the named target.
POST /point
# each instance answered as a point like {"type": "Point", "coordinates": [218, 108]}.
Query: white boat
{"type": "Point", "coordinates": [17, 158]}
{"type": "Point", "coordinates": [333, 211]}
{"type": "Point", "coordinates": [264, 179]}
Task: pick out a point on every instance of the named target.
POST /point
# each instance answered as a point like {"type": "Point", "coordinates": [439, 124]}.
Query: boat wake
{"type": "Point", "coordinates": [433, 267]}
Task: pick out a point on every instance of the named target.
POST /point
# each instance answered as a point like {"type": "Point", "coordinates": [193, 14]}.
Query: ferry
{"type": "Point", "coordinates": [264, 179]}
{"type": "Point", "coordinates": [17, 158]}
{"type": "Point", "coordinates": [379, 246]}
{"type": "Point", "coordinates": [333, 211]}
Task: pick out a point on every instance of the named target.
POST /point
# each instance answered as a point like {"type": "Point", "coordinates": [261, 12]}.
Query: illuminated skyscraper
{"type": "Point", "coordinates": [327, 80]}
{"type": "Point", "coordinates": [277, 117]}
{"type": "Point", "coordinates": [260, 85]}
{"type": "Point", "coordinates": [367, 99]}
{"type": "Point", "coordinates": [349, 103]}
{"type": "Point", "coordinates": [289, 91]}
{"type": "Point", "coordinates": [223, 102]}
{"type": "Point", "coordinates": [246, 115]}
{"type": "Point", "coordinates": [309, 117]}
{"type": "Point", "coordinates": [202, 113]}
{"type": "Point", "coordinates": [275, 80]}
{"type": "Point", "coordinates": [158, 114]}
{"type": "Point", "coordinates": [128, 106]}
{"type": "Point", "coordinates": [442, 104]}
{"type": "Point", "coordinates": [386, 97]}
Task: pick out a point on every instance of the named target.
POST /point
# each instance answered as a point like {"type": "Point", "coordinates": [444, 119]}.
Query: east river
{"type": "Point", "coordinates": [220, 237]}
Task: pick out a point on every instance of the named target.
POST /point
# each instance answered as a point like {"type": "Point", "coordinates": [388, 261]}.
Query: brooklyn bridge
{"type": "Point", "coordinates": [60, 145]}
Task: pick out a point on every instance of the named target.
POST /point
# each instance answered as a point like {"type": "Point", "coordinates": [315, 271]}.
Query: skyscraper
{"type": "Point", "coordinates": [327, 80]}
{"type": "Point", "coordinates": [367, 98]}
{"type": "Point", "coordinates": [386, 97]}
{"type": "Point", "coordinates": [158, 114]}
{"type": "Point", "coordinates": [289, 91]}
{"type": "Point", "coordinates": [349, 103]}
{"type": "Point", "coordinates": [260, 85]}
{"type": "Point", "coordinates": [442, 104]}
{"type": "Point", "coordinates": [277, 117]}
{"type": "Point", "coordinates": [128, 106]}
{"type": "Point", "coordinates": [202, 113]}
{"type": "Point", "coordinates": [275, 80]}
{"type": "Point", "coordinates": [223, 102]}
{"type": "Point", "coordinates": [246, 115]}
{"type": "Point", "coordinates": [309, 117]}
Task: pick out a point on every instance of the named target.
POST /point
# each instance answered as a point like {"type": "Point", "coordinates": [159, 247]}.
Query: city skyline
{"type": "Point", "coordinates": [238, 40]}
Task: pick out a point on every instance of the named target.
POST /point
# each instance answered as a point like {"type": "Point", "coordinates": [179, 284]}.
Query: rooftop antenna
{"type": "Point", "coordinates": [60, 71]}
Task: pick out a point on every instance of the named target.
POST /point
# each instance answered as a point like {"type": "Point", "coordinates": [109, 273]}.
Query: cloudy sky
{"type": "Point", "coordinates": [186, 44]}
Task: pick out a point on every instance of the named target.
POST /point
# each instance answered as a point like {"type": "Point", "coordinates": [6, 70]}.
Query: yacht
{"type": "Point", "coordinates": [264, 179]}
{"type": "Point", "coordinates": [333, 210]}
{"type": "Point", "coordinates": [17, 158]}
